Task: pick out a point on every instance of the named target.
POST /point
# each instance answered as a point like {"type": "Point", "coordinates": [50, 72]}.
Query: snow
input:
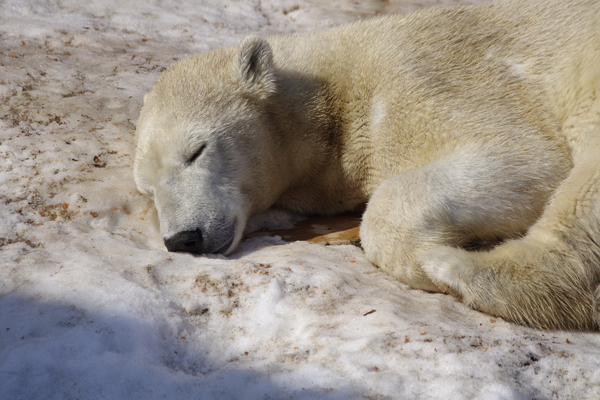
{"type": "Point", "coordinates": [91, 304]}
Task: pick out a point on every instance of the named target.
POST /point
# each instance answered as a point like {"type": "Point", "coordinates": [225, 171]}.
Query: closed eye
{"type": "Point", "coordinates": [196, 154]}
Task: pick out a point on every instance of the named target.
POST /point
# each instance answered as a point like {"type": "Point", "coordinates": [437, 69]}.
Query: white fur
{"type": "Point", "coordinates": [472, 132]}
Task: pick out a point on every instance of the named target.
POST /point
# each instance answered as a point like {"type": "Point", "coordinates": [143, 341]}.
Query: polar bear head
{"type": "Point", "coordinates": [205, 146]}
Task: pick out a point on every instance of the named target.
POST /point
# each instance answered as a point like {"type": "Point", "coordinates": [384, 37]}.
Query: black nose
{"type": "Point", "coordinates": [189, 241]}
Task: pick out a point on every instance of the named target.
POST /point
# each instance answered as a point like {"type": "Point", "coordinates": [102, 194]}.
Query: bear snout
{"type": "Point", "coordinates": [188, 241]}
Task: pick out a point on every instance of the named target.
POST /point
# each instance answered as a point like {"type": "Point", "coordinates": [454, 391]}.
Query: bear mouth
{"type": "Point", "coordinates": [226, 248]}
{"type": "Point", "coordinates": [239, 223]}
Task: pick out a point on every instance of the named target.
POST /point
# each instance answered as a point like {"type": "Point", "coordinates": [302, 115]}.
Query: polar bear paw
{"type": "Point", "coordinates": [449, 269]}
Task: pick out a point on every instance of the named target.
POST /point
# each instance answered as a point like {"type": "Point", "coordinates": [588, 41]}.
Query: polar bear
{"type": "Point", "coordinates": [471, 133]}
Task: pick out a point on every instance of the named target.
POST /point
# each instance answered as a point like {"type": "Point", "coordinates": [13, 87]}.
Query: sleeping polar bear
{"type": "Point", "coordinates": [471, 133]}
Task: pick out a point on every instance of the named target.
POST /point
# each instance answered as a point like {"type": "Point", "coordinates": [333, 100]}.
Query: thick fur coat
{"type": "Point", "coordinates": [471, 133]}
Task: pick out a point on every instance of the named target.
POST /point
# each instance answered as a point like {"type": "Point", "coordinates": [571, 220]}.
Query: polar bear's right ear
{"type": "Point", "coordinates": [255, 69]}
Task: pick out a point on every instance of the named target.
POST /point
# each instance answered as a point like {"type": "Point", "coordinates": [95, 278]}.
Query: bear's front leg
{"type": "Point", "coordinates": [398, 227]}
{"type": "Point", "coordinates": [453, 202]}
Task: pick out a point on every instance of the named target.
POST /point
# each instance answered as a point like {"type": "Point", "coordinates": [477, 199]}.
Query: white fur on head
{"type": "Point", "coordinates": [255, 69]}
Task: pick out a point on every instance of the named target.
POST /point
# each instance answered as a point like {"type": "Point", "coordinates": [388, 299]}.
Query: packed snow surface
{"type": "Point", "coordinates": [92, 306]}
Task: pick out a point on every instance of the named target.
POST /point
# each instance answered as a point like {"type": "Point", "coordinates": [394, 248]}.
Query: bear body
{"type": "Point", "coordinates": [471, 133]}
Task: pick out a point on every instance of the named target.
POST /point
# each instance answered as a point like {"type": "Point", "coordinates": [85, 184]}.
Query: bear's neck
{"type": "Point", "coordinates": [325, 176]}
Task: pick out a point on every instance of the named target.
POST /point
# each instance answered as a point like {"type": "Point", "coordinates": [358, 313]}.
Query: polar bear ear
{"type": "Point", "coordinates": [255, 69]}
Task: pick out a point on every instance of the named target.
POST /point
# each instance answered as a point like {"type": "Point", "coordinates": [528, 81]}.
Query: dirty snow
{"type": "Point", "coordinates": [91, 304]}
